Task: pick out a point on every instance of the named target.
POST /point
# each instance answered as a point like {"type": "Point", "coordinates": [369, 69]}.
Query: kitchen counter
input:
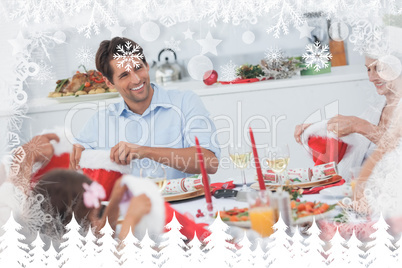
{"type": "Point", "coordinates": [337, 75]}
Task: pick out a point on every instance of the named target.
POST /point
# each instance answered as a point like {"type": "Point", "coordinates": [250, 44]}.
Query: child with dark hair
{"type": "Point", "coordinates": [60, 193]}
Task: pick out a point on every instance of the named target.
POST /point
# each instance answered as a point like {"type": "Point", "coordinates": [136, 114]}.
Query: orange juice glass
{"type": "Point", "coordinates": [261, 212]}
{"type": "Point", "coordinates": [262, 219]}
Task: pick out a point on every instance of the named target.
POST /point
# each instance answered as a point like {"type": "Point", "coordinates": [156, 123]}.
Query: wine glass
{"type": "Point", "coordinates": [240, 154]}
{"type": "Point", "coordinates": [155, 173]}
{"type": "Point", "coordinates": [278, 160]}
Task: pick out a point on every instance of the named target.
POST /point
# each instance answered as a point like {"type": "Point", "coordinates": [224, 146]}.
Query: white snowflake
{"type": "Point", "coordinates": [367, 37]}
{"type": "Point", "coordinates": [45, 73]}
{"type": "Point", "coordinates": [285, 14]}
{"type": "Point", "coordinates": [41, 40]}
{"type": "Point", "coordinates": [13, 113]}
{"type": "Point", "coordinates": [317, 56]}
{"type": "Point", "coordinates": [173, 44]}
{"type": "Point", "coordinates": [228, 72]}
{"type": "Point", "coordinates": [33, 214]}
{"type": "Point", "coordinates": [85, 55]}
{"type": "Point", "coordinates": [129, 56]}
{"type": "Point", "coordinates": [274, 56]}
{"type": "Point", "coordinates": [100, 15]}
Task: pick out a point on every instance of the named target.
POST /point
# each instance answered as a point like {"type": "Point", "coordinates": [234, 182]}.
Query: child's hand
{"type": "Point", "coordinates": [112, 210]}
{"type": "Point", "coordinates": [139, 206]}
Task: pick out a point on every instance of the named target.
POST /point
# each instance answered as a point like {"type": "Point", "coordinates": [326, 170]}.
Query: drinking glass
{"type": "Point", "coordinates": [155, 173]}
{"type": "Point", "coordinates": [262, 212]}
{"type": "Point", "coordinates": [240, 154]}
{"type": "Point", "coordinates": [354, 176]}
{"type": "Point", "coordinates": [278, 160]}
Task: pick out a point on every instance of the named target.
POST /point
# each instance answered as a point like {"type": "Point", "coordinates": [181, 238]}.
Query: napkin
{"type": "Point", "coordinates": [189, 225]}
{"type": "Point", "coordinates": [326, 150]}
{"type": "Point", "coordinates": [316, 190]}
{"type": "Point", "coordinates": [222, 185]}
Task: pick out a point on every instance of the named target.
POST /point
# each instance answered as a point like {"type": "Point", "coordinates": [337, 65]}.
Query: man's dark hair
{"type": "Point", "coordinates": [105, 54]}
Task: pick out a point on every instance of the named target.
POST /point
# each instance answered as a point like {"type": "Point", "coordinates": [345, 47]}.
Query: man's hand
{"type": "Point", "coordinates": [299, 131]}
{"type": "Point", "coordinates": [75, 156]}
{"type": "Point", "coordinates": [342, 125]}
{"type": "Point", "coordinates": [40, 147]}
{"type": "Point", "coordinates": [124, 152]}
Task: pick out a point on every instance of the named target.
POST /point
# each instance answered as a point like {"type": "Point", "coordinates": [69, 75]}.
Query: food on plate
{"type": "Point", "coordinates": [304, 209]}
{"type": "Point", "coordinates": [235, 214]}
{"type": "Point", "coordinates": [55, 95]}
{"type": "Point", "coordinates": [82, 83]}
{"type": "Point", "coordinates": [100, 90]}
{"type": "Point", "coordinates": [80, 93]}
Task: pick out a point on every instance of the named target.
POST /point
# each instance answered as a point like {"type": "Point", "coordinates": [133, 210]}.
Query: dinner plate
{"type": "Point", "coordinates": [88, 97]}
{"type": "Point", "coordinates": [337, 191]}
{"type": "Point", "coordinates": [310, 184]}
{"type": "Point", "coordinates": [329, 214]}
{"type": "Point", "coordinates": [183, 196]}
{"type": "Point", "coordinates": [241, 224]}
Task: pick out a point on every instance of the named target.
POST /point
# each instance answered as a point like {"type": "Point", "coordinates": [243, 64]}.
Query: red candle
{"type": "Point", "coordinates": [257, 161]}
{"type": "Point", "coordinates": [204, 176]}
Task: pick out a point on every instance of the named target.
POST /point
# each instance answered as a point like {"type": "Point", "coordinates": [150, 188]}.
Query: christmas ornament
{"type": "Point", "coordinates": [59, 37]}
{"type": "Point", "coordinates": [19, 44]}
{"type": "Point", "coordinates": [248, 37]}
{"type": "Point", "coordinates": [210, 77]}
{"type": "Point", "coordinates": [305, 30]}
{"type": "Point", "coordinates": [209, 44]}
{"type": "Point", "coordinates": [116, 30]}
{"type": "Point", "coordinates": [150, 31]}
{"type": "Point", "coordinates": [338, 31]}
{"type": "Point", "coordinates": [198, 65]}
{"type": "Point", "coordinates": [188, 34]}
{"type": "Point", "coordinates": [389, 67]}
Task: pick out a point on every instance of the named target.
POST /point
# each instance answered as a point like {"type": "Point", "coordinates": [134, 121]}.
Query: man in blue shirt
{"type": "Point", "coordinates": [150, 123]}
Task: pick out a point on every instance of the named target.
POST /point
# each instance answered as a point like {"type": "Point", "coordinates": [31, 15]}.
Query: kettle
{"type": "Point", "coordinates": [167, 72]}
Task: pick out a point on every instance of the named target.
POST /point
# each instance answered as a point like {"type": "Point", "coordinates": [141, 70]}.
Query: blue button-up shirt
{"type": "Point", "coordinates": [172, 120]}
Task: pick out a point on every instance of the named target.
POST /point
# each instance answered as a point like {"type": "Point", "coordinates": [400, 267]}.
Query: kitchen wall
{"type": "Point", "coordinates": [63, 59]}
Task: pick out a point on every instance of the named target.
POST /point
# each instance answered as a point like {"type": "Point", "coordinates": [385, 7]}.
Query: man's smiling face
{"type": "Point", "coordinates": [134, 86]}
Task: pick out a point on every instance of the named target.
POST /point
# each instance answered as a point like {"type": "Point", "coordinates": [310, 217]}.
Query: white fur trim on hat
{"type": "Point", "coordinates": [64, 145]}
{"type": "Point", "coordinates": [100, 159]}
{"type": "Point", "coordinates": [154, 221]}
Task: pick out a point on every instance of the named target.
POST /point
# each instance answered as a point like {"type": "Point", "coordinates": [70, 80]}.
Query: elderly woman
{"type": "Point", "coordinates": [365, 132]}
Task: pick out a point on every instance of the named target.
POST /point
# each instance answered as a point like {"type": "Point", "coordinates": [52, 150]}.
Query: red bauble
{"type": "Point", "coordinates": [210, 77]}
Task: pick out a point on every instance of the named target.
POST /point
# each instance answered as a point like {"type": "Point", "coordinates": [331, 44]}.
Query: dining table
{"type": "Point", "coordinates": [192, 207]}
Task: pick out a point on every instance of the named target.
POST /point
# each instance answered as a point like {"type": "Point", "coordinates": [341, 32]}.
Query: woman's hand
{"type": "Point", "coordinates": [299, 131]}
{"type": "Point", "coordinates": [342, 125]}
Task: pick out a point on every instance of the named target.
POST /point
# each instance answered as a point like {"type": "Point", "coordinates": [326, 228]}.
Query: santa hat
{"type": "Point", "coordinates": [161, 211]}
{"type": "Point", "coordinates": [97, 165]}
{"type": "Point", "coordinates": [61, 157]}
{"type": "Point", "coordinates": [324, 147]}
{"type": "Point", "coordinates": [154, 221]}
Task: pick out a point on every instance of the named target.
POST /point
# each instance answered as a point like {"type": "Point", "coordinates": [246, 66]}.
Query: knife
{"type": "Point", "coordinates": [225, 193]}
